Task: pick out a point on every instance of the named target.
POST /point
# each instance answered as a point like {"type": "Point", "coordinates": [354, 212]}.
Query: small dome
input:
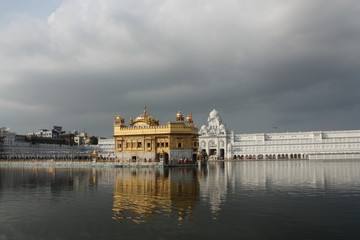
{"type": "Point", "coordinates": [118, 119]}
{"type": "Point", "coordinates": [222, 126]}
{"type": "Point", "coordinates": [203, 127]}
{"type": "Point", "coordinates": [179, 117]}
{"type": "Point", "coordinates": [214, 114]}
{"type": "Point", "coordinates": [179, 114]}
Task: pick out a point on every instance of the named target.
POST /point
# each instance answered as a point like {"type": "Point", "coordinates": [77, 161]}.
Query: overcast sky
{"type": "Point", "coordinates": [78, 63]}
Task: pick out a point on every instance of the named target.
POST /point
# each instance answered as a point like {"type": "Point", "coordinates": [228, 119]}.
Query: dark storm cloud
{"type": "Point", "coordinates": [292, 64]}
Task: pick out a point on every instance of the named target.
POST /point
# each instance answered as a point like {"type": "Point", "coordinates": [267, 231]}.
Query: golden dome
{"type": "Point", "coordinates": [144, 119]}
{"type": "Point", "coordinates": [179, 116]}
{"type": "Point", "coordinates": [119, 119]}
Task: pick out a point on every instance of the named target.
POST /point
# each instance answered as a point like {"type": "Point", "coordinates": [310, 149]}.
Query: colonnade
{"type": "Point", "coordinates": [270, 156]}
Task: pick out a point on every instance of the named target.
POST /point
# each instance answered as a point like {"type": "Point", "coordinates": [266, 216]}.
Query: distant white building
{"type": "Point", "coordinates": [106, 147]}
{"type": "Point", "coordinates": [13, 146]}
{"type": "Point", "coordinates": [45, 133]}
{"type": "Point", "coordinates": [220, 143]}
{"type": "Point", "coordinates": [42, 133]}
{"type": "Point", "coordinates": [81, 138]}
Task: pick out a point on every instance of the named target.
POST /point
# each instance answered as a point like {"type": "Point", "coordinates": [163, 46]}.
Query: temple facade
{"type": "Point", "coordinates": [144, 139]}
{"type": "Point", "coordinates": [221, 143]}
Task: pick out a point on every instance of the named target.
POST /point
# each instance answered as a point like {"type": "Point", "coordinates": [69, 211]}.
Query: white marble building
{"type": "Point", "coordinates": [106, 147]}
{"type": "Point", "coordinates": [220, 143]}
{"type": "Point", "coordinates": [214, 137]}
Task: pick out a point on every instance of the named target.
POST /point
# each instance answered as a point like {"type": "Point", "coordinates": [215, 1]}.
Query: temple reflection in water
{"type": "Point", "coordinates": [141, 194]}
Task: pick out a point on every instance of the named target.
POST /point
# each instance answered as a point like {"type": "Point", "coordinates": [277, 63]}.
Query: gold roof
{"type": "Point", "coordinates": [144, 119]}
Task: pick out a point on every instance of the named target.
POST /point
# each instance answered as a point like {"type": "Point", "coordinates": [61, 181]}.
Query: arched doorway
{"type": "Point", "coordinates": [166, 158]}
{"type": "Point", "coordinates": [162, 156]}
{"type": "Point", "coordinates": [222, 153]}
{"type": "Point", "coordinates": [212, 152]}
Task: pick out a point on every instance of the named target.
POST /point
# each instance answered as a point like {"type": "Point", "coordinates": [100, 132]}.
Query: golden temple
{"type": "Point", "coordinates": [145, 140]}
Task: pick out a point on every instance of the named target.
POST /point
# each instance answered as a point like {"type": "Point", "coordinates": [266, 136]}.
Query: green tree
{"type": "Point", "coordinates": [94, 140]}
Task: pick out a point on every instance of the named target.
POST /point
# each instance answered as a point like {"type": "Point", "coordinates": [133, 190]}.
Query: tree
{"type": "Point", "coordinates": [94, 140]}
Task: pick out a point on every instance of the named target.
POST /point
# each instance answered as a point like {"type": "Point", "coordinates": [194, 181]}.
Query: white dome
{"type": "Point", "coordinates": [214, 114]}
{"type": "Point", "coordinates": [203, 127]}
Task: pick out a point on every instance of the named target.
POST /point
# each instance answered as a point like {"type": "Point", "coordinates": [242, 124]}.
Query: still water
{"type": "Point", "coordinates": [228, 200]}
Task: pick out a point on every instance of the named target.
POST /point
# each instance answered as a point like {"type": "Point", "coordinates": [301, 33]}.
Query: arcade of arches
{"type": "Point", "coordinates": [220, 142]}
{"type": "Point", "coordinates": [270, 156]}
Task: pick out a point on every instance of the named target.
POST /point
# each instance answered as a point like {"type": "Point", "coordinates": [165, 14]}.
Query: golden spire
{"type": "Point", "coordinates": [189, 119]}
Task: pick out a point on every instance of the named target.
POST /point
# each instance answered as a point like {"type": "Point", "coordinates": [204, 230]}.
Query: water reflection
{"type": "Point", "coordinates": [282, 175]}
{"type": "Point", "coordinates": [225, 190]}
{"type": "Point", "coordinates": [142, 195]}
{"type": "Point", "coordinates": [214, 175]}
{"type": "Point", "coordinates": [302, 178]}
{"type": "Point", "coordinates": [56, 179]}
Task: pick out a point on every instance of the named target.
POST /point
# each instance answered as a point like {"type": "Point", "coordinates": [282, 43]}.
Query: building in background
{"type": "Point", "coordinates": [81, 138]}
{"type": "Point", "coordinates": [58, 136]}
{"type": "Point", "coordinates": [220, 143]}
{"type": "Point", "coordinates": [44, 144]}
{"type": "Point", "coordinates": [106, 148]}
{"type": "Point", "coordinates": [145, 139]}
{"type": "Point", "coordinates": [214, 137]}
{"type": "Point", "coordinates": [45, 133]}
